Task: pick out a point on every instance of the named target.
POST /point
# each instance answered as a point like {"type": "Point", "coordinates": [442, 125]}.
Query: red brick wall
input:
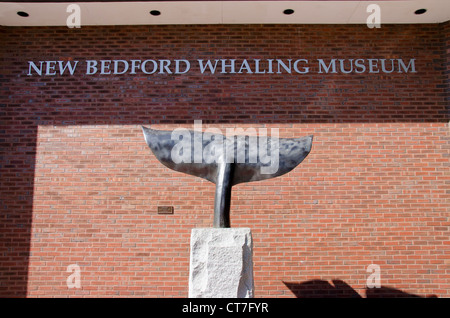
{"type": "Point", "coordinates": [80, 186]}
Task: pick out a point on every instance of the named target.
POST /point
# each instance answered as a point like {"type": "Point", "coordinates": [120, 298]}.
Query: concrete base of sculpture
{"type": "Point", "coordinates": [221, 264]}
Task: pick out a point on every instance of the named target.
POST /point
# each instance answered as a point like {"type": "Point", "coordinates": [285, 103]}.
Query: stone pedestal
{"type": "Point", "coordinates": [221, 264]}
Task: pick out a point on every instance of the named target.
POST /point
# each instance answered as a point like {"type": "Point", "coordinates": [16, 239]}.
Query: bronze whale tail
{"type": "Point", "coordinates": [226, 161]}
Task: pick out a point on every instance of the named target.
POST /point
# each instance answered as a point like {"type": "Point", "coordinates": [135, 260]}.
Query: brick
{"type": "Point", "coordinates": [79, 185]}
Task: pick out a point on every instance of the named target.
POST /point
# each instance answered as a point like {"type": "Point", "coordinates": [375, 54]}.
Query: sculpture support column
{"type": "Point", "coordinates": [221, 264]}
{"type": "Point", "coordinates": [222, 199]}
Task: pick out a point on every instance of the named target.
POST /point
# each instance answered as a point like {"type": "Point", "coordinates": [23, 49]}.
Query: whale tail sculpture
{"type": "Point", "coordinates": [226, 161]}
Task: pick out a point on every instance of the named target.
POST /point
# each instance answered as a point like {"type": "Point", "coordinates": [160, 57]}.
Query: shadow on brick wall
{"type": "Point", "coordinates": [17, 163]}
{"type": "Point", "coordinates": [340, 289]}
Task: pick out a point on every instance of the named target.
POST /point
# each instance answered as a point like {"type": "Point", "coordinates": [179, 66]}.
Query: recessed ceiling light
{"type": "Point", "coordinates": [155, 12]}
{"type": "Point", "coordinates": [288, 11]}
{"type": "Point", "coordinates": [420, 11]}
{"type": "Point", "coordinates": [22, 14]}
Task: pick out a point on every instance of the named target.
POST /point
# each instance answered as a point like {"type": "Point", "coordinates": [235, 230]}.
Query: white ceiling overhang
{"type": "Point", "coordinates": [53, 13]}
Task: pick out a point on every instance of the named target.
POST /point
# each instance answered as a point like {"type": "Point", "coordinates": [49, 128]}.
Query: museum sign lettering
{"type": "Point", "coordinates": [221, 66]}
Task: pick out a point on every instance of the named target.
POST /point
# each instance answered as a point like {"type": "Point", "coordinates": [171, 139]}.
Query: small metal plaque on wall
{"type": "Point", "coordinates": [165, 209]}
